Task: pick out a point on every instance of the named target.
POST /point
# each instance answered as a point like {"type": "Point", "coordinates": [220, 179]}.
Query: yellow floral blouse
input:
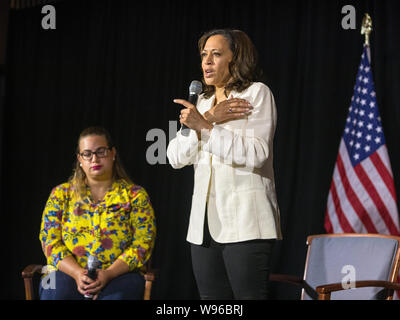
{"type": "Point", "coordinates": [121, 226]}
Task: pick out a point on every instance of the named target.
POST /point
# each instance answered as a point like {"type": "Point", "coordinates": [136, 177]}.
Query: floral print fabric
{"type": "Point", "coordinates": [121, 226]}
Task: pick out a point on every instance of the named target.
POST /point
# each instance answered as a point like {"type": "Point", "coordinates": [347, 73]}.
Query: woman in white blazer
{"type": "Point", "coordinates": [234, 219]}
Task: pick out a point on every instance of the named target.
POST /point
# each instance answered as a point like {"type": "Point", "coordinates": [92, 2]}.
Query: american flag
{"type": "Point", "coordinates": [362, 197]}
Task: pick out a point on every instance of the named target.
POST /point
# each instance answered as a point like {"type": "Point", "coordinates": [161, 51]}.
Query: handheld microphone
{"type": "Point", "coordinates": [93, 264]}
{"type": "Point", "coordinates": [195, 89]}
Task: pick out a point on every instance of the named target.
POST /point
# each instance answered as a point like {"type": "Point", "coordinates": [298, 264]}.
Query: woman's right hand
{"type": "Point", "coordinates": [69, 266]}
{"type": "Point", "coordinates": [82, 280]}
{"type": "Point", "coordinates": [230, 109]}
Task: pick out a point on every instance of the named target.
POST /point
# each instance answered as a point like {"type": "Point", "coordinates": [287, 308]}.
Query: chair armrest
{"type": "Point", "coordinates": [295, 281]}
{"type": "Point", "coordinates": [329, 288]}
{"type": "Point", "coordinates": [151, 274]}
{"type": "Point", "coordinates": [30, 270]}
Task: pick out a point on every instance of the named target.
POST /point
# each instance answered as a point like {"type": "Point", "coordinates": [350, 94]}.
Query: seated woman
{"type": "Point", "coordinates": [98, 212]}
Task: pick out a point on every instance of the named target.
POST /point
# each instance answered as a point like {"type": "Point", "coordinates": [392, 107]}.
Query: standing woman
{"type": "Point", "coordinates": [234, 219]}
{"type": "Point", "coordinates": [98, 212]}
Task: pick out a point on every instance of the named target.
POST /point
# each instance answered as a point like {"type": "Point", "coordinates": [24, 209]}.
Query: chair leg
{"type": "Point", "coordinates": [28, 288]}
{"type": "Point", "coordinates": [147, 290]}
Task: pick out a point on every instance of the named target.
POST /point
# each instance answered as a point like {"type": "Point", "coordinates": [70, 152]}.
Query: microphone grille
{"type": "Point", "coordinates": [195, 87]}
{"type": "Point", "coordinates": [92, 262]}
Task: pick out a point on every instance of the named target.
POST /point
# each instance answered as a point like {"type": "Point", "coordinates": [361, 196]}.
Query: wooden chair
{"type": "Point", "coordinates": [36, 270]}
{"type": "Point", "coordinates": [373, 258]}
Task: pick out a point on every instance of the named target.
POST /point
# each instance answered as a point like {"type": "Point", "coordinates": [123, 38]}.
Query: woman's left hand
{"type": "Point", "coordinates": [191, 117]}
{"type": "Point", "coordinates": [230, 109]}
{"type": "Point", "coordinates": [95, 287]}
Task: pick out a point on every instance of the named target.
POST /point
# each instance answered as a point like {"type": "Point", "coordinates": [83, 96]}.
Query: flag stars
{"type": "Point", "coordinates": [363, 132]}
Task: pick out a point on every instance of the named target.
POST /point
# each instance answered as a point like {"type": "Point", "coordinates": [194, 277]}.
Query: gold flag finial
{"type": "Point", "coordinates": [366, 28]}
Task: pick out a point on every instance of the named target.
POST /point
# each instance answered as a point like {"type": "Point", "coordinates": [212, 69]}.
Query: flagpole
{"type": "Point", "coordinates": [366, 29]}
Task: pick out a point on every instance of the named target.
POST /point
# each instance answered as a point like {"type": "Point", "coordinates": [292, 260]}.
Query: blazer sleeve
{"type": "Point", "coordinates": [251, 145]}
{"type": "Point", "coordinates": [51, 228]}
{"type": "Point", "coordinates": [183, 151]}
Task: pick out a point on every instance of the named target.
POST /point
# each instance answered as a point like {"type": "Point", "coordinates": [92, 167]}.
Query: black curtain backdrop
{"type": "Point", "coordinates": [121, 63]}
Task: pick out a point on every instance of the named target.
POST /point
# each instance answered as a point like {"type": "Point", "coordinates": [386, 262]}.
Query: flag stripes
{"type": "Point", "coordinates": [362, 196]}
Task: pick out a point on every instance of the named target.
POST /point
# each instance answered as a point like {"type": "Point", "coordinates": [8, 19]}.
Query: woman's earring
{"type": "Point", "coordinates": [80, 164]}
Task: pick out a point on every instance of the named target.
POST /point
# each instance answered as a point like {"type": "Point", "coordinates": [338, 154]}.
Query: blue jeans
{"type": "Point", "coordinates": [129, 286]}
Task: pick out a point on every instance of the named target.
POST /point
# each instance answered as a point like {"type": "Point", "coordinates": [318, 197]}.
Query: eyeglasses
{"type": "Point", "coordinates": [101, 152]}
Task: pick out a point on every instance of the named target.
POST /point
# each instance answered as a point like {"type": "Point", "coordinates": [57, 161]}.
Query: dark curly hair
{"type": "Point", "coordinates": [243, 68]}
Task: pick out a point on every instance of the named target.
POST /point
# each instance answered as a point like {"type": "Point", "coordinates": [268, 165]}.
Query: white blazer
{"type": "Point", "coordinates": [234, 176]}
